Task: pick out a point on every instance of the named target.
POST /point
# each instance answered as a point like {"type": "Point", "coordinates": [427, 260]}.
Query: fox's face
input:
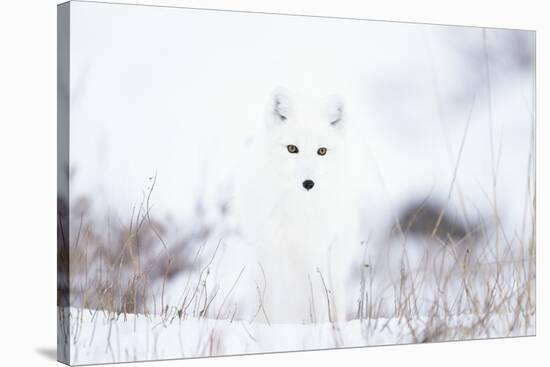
{"type": "Point", "coordinates": [305, 140]}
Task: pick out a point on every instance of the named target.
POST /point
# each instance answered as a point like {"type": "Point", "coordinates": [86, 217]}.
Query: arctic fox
{"type": "Point", "coordinates": [295, 201]}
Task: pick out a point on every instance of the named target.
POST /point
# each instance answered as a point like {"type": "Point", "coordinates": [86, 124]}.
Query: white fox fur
{"type": "Point", "coordinates": [304, 239]}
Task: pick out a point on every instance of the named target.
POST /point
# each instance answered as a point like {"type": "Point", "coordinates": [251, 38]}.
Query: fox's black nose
{"type": "Point", "coordinates": [308, 184]}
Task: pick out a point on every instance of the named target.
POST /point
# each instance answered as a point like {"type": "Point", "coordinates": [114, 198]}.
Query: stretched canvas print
{"type": "Point", "coordinates": [234, 183]}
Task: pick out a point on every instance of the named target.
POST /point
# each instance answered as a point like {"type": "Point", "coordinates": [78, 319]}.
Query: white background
{"type": "Point", "coordinates": [28, 180]}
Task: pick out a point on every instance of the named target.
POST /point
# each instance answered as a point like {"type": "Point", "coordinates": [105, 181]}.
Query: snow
{"type": "Point", "coordinates": [99, 338]}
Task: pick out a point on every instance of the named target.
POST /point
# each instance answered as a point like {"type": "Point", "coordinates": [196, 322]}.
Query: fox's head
{"type": "Point", "coordinates": [305, 139]}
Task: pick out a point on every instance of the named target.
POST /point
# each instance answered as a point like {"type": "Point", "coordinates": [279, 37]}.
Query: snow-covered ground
{"type": "Point", "coordinates": [99, 338]}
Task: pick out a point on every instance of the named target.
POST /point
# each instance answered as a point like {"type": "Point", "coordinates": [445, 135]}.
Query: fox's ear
{"type": "Point", "coordinates": [336, 113]}
{"type": "Point", "coordinates": [280, 105]}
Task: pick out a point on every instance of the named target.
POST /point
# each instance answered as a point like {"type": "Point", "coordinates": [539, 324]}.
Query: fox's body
{"type": "Point", "coordinates": [295, 201]}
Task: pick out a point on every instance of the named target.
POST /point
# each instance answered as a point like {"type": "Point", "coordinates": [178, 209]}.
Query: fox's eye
{"type": "Point", "coordinates": [322, 151]}
{"type": "Point", "coordinates": [292, 148]}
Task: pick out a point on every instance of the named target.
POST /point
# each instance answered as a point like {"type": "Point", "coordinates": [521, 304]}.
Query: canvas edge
{"type": "Point", "coordinates": [62, 217]}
